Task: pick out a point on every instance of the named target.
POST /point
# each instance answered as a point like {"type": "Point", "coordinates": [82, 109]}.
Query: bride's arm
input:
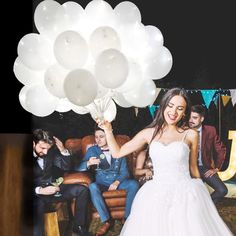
{"type": "Point", "coordinates": [193, 139]}
{"type": "Point", "coordinates": [137, 142]}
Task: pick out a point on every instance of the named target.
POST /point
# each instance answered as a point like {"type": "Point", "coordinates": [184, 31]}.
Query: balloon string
{"type": "Point", "coordinates": [101, 105]}
{"type": "Point", "coordinates": [97, 109]}
{"type": "Point", "coordinates": [107, 103]}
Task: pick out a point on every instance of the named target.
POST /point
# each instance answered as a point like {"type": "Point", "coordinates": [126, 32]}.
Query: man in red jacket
{"type": "Point", "coordinates": [211, 153]}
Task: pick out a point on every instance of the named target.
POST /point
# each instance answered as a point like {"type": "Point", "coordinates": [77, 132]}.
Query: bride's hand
{"type": "Point", "coordinates": [105, 125]}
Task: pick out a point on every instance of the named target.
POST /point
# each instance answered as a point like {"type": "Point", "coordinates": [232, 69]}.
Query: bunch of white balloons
{"type": "Point", "coordinates": [89, 59]}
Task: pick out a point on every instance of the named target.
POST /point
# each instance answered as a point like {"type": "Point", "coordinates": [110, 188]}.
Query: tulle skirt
{"type": "Point", "coordinates": [184, 208]}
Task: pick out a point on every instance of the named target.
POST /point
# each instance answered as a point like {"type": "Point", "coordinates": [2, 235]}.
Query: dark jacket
{"type": "Point", "coordinates": [55, 165]}
{"type": "Point", "coordinates": [213, 150]}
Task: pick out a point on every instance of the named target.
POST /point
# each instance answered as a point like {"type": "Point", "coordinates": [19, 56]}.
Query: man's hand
{"type": "Point", "coordinates": [59, 144]}
{"type": "Point", "coordinates": [105, 125]}
{"type": "Point", "coordinates": [93, 161]}
{"type": "Point", "coordinates": [211, 172]}
{"type": "Point", "coordinates": [114, 185]}
{"type": "Point", "coordinates": [148, 174]}
{"type": "Point", "coordinates": [49, 190]}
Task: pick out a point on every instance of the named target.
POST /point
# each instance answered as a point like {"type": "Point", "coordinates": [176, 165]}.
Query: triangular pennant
{"type": "Point", "coordinates": [233, 96]}
{"type": "Point", "coordinates": [216, 99]}
{"type": "Point", "coordinates": [158, 90]}
{"type": "Point", "coordinates": [207, 96]}
{"type": "Point", "coordinates": [156, 95]}
{"type": "Point", "coordinates": [225, 99]}
{"type": "Point", "coordinates": [152, 109]}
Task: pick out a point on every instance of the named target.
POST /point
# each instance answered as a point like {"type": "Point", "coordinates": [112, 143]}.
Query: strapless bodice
{"type": "Point", "coordinates": [170, 161]}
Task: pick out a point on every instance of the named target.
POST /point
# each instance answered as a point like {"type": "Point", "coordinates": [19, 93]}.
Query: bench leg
{"type": "Point", "coordinates": [51, 225]}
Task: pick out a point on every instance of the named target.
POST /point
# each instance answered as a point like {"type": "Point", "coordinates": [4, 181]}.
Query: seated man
{"type": "Point", "coordinates": [211, 153]}
{"type": "Point", "coordinates": [51, 159]}
{"type": "Point", "coordinates": [110, 174]}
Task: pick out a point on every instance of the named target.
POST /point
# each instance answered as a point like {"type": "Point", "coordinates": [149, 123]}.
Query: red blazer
{"type": "Point", "coordinates": [213, 150]}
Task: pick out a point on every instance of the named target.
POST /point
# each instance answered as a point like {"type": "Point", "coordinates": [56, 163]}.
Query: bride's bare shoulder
{"type": "Point", "coordinates": [147, 134]}
{"type": "Point", "coordinates": [148, 131]}
{"type": "Point", "coordinates": [191, 133]}
{"type": "Point", "coordinates": [188, 131]}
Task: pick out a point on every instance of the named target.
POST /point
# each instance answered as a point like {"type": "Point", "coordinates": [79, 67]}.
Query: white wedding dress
{"type": "Point", "coordinates": [173, 203]}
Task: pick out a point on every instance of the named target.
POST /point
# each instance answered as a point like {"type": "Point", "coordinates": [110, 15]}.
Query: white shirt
{"type": "Point", "coordinates": [200, 146]}
{"type": "Point", "coordinates": [108, 156]}
{"type": "Point", "coordinates": [39, 160]}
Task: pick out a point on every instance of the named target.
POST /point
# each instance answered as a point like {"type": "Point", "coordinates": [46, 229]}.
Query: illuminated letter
{"type": "Point", "coordinates": [231, 170]}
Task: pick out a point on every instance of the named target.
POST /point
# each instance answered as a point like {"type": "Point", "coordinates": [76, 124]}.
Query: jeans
{"type": "Point", "coordinates": [131, 187]}
{"type": "Point", "coordinates": [220, 189]}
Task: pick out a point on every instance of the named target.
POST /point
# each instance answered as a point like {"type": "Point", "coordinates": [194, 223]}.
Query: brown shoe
{"type": "Point", "coordinates": [103, 229]}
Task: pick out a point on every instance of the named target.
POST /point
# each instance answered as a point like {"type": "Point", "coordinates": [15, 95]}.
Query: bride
{"type": "Point", "coordinates": [175, 202]}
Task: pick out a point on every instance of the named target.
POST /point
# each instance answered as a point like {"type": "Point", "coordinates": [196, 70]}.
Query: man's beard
{"type": "Point", "coordinates": [41, 155]}
{"type": "Point", "coordinates": [194, 126]}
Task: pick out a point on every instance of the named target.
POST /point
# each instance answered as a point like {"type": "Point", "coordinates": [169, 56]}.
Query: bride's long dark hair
{"type": "Point", "coordinates": [159, 121]}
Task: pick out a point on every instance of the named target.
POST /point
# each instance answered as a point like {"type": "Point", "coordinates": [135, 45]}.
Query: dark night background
{"type": "Point", "coordinates": [199, 34]}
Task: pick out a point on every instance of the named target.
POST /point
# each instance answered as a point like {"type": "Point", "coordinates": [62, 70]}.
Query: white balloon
{"type": "Point", "coordinates": [49, 18]}
{"type": "Point", "coordinates": [155, 36]}
{"type": "Point", "coordinates": [74, 14]}
{"type": "Point", "coordinates": [108, 114]}
{"type": "Point", "coordinates": [35, 51]}
{"type": "Point", "coordinates": [160, 66]}
{"type": "Point", "coordinates": [151, 53]}
{"type": "Point", "coordinates": [39, 101]}
{"type": "Point", "coordinates": [134, 78]}
{"type": "Point", "coordinates": [64, 105]}
{"type": "Point", "coordinates": [90, 64]}
{"type": "Point", "coordinates": [25, 75]}
{"type": "Point", "coordinates": [80, 87]}
{"type": "Point", "coordinates": [97, 8]}
{"type": "Point", "coordinates": [127, 12]}
{"type": "Point", "coordinates": [80, 110]}
{"type": "Point", "coordinates": [23, 97]}
{"type": "Point", "coordinates": [77, 19]}
{"type": "Point", "coordinates": [143, 95]}
{"type": "Point", "coordinates": [111, 68]}
{"type": "Point", "coordinates": [101, 91]}
{"type": "Point", "coordinates": [83, 56]}
{"type": "Point", "coordinates": [71, 50]}
{"type": "Point", "coordinates": [54, 80]}
{"type": "Point", "coordinates": [133, 40]}
{"type": "Point", "coordinates": [103, 38]}
{"type": "Point", "coordinates": [99, 13]}
{"type": "Point", "coordinates": [154, 43]}
{"type": "Point", "coordinates": [120, 100]}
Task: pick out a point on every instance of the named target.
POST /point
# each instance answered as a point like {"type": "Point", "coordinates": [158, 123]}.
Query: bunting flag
{"type": "Point", "coordinates": [152, 109]}
{"type": "Point", "coordinates": [207, 96]}
{"type": "Point", "coordinates": [233, 96]}
{"type": "Point", "coordinates": [225, 99]}
{"type": "Point", "coordinates": [158, 90]}
{"type": "Point", "coordinates": [216, 98]}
